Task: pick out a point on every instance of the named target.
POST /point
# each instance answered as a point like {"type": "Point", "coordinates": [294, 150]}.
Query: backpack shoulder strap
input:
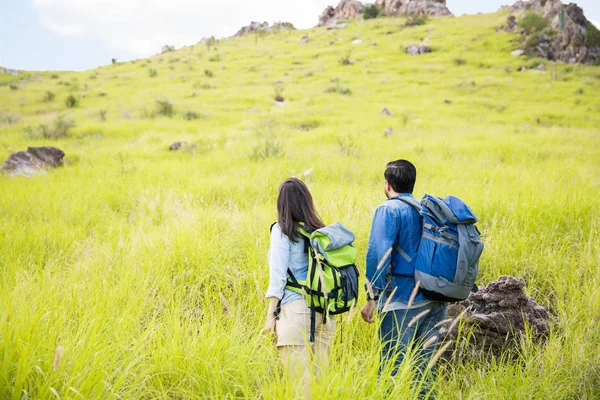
{"type": "Point", "coordinates": [271, 227]}
{"type": "Point", "coordinates": [411, 201]}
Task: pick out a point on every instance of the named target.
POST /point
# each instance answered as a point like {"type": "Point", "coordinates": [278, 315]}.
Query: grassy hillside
{"type": "Point", "coordinates": [149, 266]}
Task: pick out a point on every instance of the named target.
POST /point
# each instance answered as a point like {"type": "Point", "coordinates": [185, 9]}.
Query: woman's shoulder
{"type": "Point", "coordinates": [276, 231]}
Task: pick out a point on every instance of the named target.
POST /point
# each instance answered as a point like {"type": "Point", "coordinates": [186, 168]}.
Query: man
{"type": "Point", "coordinates": [408, 318]}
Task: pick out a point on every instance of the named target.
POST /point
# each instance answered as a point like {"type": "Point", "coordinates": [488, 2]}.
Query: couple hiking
{"type": "Point", "coordinates": [418, 259]}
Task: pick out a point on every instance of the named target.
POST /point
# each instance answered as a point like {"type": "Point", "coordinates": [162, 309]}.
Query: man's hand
{"type": "Point", "coordinates": [367, 311]}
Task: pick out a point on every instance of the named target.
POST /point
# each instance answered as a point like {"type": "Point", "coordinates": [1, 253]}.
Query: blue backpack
{"type": "Point", "coordinates": [447, 261]}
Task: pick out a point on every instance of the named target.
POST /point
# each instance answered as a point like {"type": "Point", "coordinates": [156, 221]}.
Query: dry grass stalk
{"type": "Point", "coordinates": [384, 258]}
{"type": "Point", "coordinates": [418, 317]}
{"type": "Point", "coordinates": [389, 300]}
{"type": "Point", "coordinates": [414, 294]}
{"type": "Point", "coordinates": [225, 303]}
{"type": "Point", "coordinates": [442, 322]}
{"type": "Point", "coordinates": [258, 291]}
{"type": "Point", "coordinates": [456, 321]}
{"type": "Point", "coordinates": [438, 354]}
{"type": "Point", "coordinates": [322, 278]}
{"type": "Point", "coordinates": [429, 342]}
{"type": "Point", "coordinates": [57, 356]}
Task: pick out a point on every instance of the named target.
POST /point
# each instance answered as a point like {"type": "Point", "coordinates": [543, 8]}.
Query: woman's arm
{"type": "Point", "coordinates": [269, 328]}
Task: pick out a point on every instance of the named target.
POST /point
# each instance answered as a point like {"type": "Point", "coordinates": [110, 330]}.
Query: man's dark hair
{"type": "Point", "coordinates": [401, 175]}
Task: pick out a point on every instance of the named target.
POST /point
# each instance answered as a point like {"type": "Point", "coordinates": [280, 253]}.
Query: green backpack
{"type": "Point", "coordinates": [331, 286]}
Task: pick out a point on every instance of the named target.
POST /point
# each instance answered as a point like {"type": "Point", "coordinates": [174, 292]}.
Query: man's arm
{"type": "Point", "coordinates": [384, 231]}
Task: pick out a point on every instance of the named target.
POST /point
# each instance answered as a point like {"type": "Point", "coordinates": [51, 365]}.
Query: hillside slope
{"type": "Point", "coordinates": [149, 266]}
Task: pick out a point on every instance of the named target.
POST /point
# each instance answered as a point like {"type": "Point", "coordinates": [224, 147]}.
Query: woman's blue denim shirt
{"type": "Point", "coordinates": [284, 254]}
{"type": "Point", "coordinates": [395, 224]}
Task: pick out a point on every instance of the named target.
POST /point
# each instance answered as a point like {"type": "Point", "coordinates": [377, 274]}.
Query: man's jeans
{"type": "Point", "coordinates": [396, 336]}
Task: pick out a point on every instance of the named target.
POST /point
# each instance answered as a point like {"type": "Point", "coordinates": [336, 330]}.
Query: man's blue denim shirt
{"type": "Point", "coordinates": [395, 224]}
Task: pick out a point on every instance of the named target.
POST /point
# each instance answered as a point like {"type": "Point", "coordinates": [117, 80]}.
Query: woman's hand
{"type": "Point", "coordinates": [269, 329]}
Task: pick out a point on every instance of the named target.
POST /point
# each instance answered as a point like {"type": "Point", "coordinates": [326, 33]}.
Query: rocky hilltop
{"type": "Point", "coordinates": [353, 9]}
{"type": "Point", "coordinates": [567, 35]}
{"type": "Point", "coordinates": [255, 27]}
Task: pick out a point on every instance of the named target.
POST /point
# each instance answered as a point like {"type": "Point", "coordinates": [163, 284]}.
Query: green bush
{"type": "Point", "coordinates": [71, 101]}
{"type": "Point", "coordinates": [416, 20]}
{"type": "Point", "coordinates": [209, 73]}
{"type": "Point", "coordinates": [60, 129]}
{"type": "Point", "coordinates": [152, 73]}
{"type": "Point", "coordinates": [164, 108]}
{"type": "Point", "coordinates": [533, 22]}
{"type": "Point", "coordinates": [592, 35]}
{"type": "Point", "coordinates": [167, 49]}
{"type": "Point", "coordinates": [14, 86]}
{"type": "Point", "coordinates": [49, 96]}
{"type": "Point", "coordinates": [459, 61]}
{"type": "Point", "coordinates": [340, 90]}
{"type": "Point", "coordinates": [191, 115]}
{"type": "Point", "coordinates": [371, 11]}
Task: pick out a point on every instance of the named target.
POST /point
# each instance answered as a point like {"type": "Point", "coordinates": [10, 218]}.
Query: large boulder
{"type": "Point", "coordinates": [345, 10]}
{"type": "Point", "coordinates": [34, 160]}
{"type": "Point", "coordinates": [430, 8]}
{"type": "Point", "coordinates": [495, 317]}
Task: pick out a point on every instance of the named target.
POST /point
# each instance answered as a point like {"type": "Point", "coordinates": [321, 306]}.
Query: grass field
{"type": "Point", "coordinates": [149, 267]}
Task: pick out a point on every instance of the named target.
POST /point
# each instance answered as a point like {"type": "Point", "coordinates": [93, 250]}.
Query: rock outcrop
{"type": "Point", "coordinates": [34, 160]}
{"type": "Point", "coordinates": [345, 10]}
{"type": "Point", "coordinates": [498, 315]}
{"type": "Point", "coordinates": [264, 27]}
{"type": "Point", "coordinates": [576, 40]}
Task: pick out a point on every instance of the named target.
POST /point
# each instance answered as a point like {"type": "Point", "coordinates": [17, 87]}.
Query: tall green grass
{"type": "Point", "coordinates": [149, 267]}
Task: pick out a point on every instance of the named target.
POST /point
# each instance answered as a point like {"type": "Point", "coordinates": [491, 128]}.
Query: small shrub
{"type": "Point", "coordinates": [346, 60]}
{"type": "Point", "coordinates": [580, 91]}
{"type": "Point", "coordinates": [102, 114]}
{"type": "Point", "coordinates": [164, 108]}
{"type": "Point", "coordinates": [49, 96]}
{"type": "Point", "coordinates": [209, 73]}
{"type": "Point", "coordinates": [53, 76]}
{"type": "Point", "coordinates": [14, 86]}
{"type": "Point", "coordinates": [508, 69]}
{"type": "Point", "coordinates": [371, 11]}
{"type": "Point", "coordinates": [60, 129]}
{"type": "Point", "coordinates": [459, 61]}
{"type": "Point", "coordinates": [278, 88]}
{"type": "Point", "coordinates": [167, 49]}
{"type": "Point", "coordinates": [113, 60]}
{"type": "Point", "coordinates": [348, 146]}
{"type": "Point", "coordinates": [533, 22]}
{"type": "Point", "coordinates": [269, 145]}
{"type": "Point", "coordinates": [152, 73]}
{"type": "Point", "coordinates": [339, 89]}
{"type": "Point", "coordinates": [215, 58]}
{"type": "Point", "coordinates": [191, 115]}
{"type": "Point", "coordinates": [71, 101]}
{"type": "Point", "coordinates": [416, 20]}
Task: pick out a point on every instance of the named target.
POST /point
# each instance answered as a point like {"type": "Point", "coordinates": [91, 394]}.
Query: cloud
{"type": "Point", "coordinates": [141, 27]}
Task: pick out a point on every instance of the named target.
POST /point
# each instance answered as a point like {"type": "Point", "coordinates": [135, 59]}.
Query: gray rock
{"type": "Point", "coordinates": [386, 112]}
{"type": "Point", "coordinates": [345, 10]}
{"type": "Point", "coordinates": [176, 146]}
{"type": "Point", "coordinates": [415, 49]}
{"type": "Point", "coordinates": [517, 53]}
{"type": "Point", "coordinates": [34, 160]}
{"type": "Point", "coordinates": [304, 40]}
{"type": "Point", "coordinates": [388, 132]}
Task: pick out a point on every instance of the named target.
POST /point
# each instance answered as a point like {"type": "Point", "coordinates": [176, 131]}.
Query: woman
{"type": "Point", "coordinates": [288, 251]}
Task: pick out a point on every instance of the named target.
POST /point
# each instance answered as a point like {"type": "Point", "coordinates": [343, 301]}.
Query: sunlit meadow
{"type": "Point", "coordinates": [149, 266]}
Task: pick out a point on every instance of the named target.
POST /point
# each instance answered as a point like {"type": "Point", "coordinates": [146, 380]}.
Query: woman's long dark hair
{"type": "Point", "coordinates": [295, 205]}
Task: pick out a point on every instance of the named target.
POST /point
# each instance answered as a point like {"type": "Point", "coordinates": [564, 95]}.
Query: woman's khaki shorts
{"type": "Point", "coordinates": [293, 326]}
